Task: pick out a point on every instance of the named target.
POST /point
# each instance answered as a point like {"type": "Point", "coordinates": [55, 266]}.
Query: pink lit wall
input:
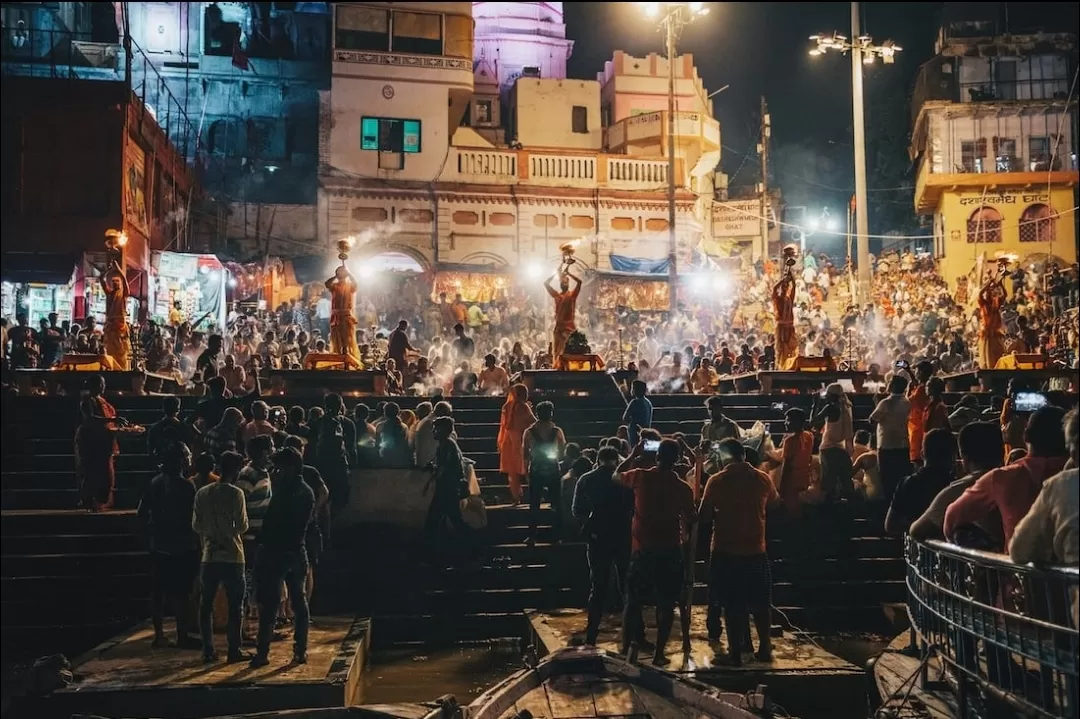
{"type": "Point", "coordinates": [516, 35]}
{"type": "Point", "coordinates": [635, 85]}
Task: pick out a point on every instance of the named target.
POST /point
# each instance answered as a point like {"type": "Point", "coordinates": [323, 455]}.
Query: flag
{"type": "Point", "coordinates": [239, 57]}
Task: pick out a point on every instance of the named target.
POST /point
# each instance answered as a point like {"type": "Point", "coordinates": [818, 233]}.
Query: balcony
{"type": "Point", "coordinates": [587, 172]}
{"type": "Point", "coordinates": [650, 128]}
{"type": "Point", "coordinates": [991, 173]}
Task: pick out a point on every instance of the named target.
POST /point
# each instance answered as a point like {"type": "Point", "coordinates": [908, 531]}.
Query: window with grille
{"type": "Point", "coordinates": [1038, 153]}
{"type": "Point", "coordinates": [972, 153]}
{"type": "Point", "coordinates": [1037, 224]}
{"type": "Point", "coordinates": [1005, 155]}
{"type": "Point", "coordinates": [984, 226]}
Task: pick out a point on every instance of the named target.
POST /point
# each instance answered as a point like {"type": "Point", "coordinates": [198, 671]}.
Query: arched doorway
{"type": "Point", "coordinates": [1037, 224]}
{"type": "Point", "coordinates": [392, 261]}
{"type": "Point", "coordinates": [984, 226]}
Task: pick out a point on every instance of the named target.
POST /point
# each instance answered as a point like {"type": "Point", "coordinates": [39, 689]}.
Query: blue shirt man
{"type": "Point", "coordinates": [638, 415]}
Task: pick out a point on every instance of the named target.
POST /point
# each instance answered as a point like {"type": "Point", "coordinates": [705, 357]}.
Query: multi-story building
{"type": "Point", "coordinates": [995, 138]}
{"type": "Point", "coordinates": [84, 152]}
{"type": "Point", "coordinates": [452, 136]}
{"type": "Point", "coordinates": [248, 75]}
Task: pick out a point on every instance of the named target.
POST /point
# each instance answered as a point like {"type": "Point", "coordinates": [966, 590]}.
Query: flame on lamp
{"type": "Point", "coordinates": [115, 239]}
{"type": "Point", "coordinates": [344, 245]}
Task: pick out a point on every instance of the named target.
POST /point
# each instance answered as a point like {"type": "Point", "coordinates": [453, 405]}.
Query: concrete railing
{"type": "Point", "coordinates": [636, 174]}
{"type": "Point", "coordinates": [562, 170]}
{"type": "Point", "coordinates": [525, 167]}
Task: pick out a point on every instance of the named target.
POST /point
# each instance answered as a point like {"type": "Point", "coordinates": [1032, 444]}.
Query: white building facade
{"type": "Point", "coordinates": [450, 134]}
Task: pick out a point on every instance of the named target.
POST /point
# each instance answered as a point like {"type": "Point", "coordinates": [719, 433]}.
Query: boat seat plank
{"type": "Point", "coordinates": [570, 696]}
{"type": "Point", "coordinates": [616, 699]}
{"type": "Point", "coordinates": [536, 703]}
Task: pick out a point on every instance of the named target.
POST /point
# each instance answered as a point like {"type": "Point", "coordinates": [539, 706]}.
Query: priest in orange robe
{"type": "Point", "coordinates": [115, 335]}
{"type": "Point", "coordinates": [342, 288]}
{"type": "Point", "coordinates": [783, 297]}
{"type": "Point", "coordinates": [991, 340]}
{"type": "Point", "coordinates": [565, 309]}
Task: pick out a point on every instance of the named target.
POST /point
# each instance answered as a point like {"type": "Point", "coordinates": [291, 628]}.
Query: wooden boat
{"type": "Point", "coordinates": [580, 683]}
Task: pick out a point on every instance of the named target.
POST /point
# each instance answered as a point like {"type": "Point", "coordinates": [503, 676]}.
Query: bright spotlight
{"type": "Point", "coordinates": [534, 271]}
{"type": "Point", "coordinates": [651, 9]}
{"type": "Point", "coordinates": [813, 223]}
{"type": "Point", "coordinates": [365, 272]}
{"type": "Point", "coordinates": [721, 283]}
{"type": "Point", "coordinates": [832, 225]}
{"type": "Point", "coordinates": [698, 283]}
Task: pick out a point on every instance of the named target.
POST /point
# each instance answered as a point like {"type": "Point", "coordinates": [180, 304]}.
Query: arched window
{"type": "Point", "coordinates": [1037, 224]}
{"type": "Point", "coordinates": [984, 225]}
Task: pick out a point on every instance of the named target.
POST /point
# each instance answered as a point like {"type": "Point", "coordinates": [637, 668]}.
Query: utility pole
{"type": "Point", "coordinates": [763, 155]}
{"type": "Point", "coordinates": [673, 278]}
{"type": "Point", "coordinates": [862, 220]}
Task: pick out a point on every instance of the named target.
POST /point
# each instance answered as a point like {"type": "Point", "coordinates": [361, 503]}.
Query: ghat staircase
{"type": "Point", "coordinates": [71, 579]}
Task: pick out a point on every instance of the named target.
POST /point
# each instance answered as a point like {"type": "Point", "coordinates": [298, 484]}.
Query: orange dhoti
{"type": "Point", "coordinates": [117, 342]}
{"type": "Point", "coordinates": [787, 347]}
{"type": "Point", "coordinates": [991, 348]}
{"type": "Point", "coordinates": [343, 334]}
{"type": "Point", "coordinates": [558, 341]}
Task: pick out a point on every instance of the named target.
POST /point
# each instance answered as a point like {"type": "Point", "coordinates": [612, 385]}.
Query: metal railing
{"type": "Point", "coordinates": [1006, 633]}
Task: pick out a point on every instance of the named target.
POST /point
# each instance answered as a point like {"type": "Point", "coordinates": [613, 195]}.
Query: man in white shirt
{"type": "Point", "coordinates": [1050, 531]}
{"type": "Point", "coordinates": [648, 349]}
{"type": "Point", "coordinates": [891, 418]}
{"type": "Point", "coordinates": [322, 315]}
{"type": "Point", "coordinates": [422, 437]}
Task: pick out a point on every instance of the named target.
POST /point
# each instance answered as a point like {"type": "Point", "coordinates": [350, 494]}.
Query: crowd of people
{"type": "Point", "coordinates": [458, 346]}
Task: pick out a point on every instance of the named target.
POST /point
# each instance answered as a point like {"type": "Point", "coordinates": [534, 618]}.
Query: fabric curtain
{"type": "Point", "coordinates": [638, 265]}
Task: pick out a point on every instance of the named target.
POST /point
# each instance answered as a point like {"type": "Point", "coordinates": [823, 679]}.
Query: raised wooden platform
{"type": "Point", "coordinates": [802, 677]}
{"type": "Point", "coordinates": [807, 380]}
{"type": "Point", "coordinates": [997, 380]}
{"type": "Point", "coordinates": [317, 382]}
{"type": "Point", "coordinates": [126, 677]}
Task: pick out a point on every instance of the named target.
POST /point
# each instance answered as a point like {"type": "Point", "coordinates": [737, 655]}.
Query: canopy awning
{"type": "Point", "coordinates": [46, 268]}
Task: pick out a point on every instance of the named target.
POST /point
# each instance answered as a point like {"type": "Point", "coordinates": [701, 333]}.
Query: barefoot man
{"type": "Point", "coordinates": [565, 308]}
{"type": "Point", "coordinates": [115, 333]}
{"type": "Point", "coordinates": [342, 288]}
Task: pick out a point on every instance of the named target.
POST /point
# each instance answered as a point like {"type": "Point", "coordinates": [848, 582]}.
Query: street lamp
{"type": "Point", "coordinates": [673, 17]}
{"type": "Point", "coordinates": [863, 52]}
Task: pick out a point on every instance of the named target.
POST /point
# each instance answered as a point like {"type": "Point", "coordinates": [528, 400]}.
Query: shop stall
{"type": "Point", "coordinates": [35, 285]}
{"type": "Point", "coordinates": [640, 294]}
{"type": "Point", "coordinates": [472, 284]}
{"type": "Point", "coordinates": [188, 288]}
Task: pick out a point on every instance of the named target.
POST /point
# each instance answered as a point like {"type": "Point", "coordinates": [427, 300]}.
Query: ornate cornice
{"type": "Point", "coordinates": [420, 62]}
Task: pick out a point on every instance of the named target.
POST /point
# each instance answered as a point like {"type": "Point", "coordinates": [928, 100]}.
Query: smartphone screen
{"type": "Point", "coordinates": [1029, 401]}
{"type": "Point", "coordinates": [652, 445]}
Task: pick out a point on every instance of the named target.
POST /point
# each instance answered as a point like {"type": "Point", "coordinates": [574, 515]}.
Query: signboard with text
{"type": "Point", "coordinates": [738, 218]}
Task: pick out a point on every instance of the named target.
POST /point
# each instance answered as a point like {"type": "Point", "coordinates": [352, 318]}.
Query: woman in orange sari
{"type": "Point", "coordinates": [96, 448]}
{"type": "Point", "coordinates": [517, 416]}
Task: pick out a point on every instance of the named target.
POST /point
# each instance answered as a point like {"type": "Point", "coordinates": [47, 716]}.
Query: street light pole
{"type": "Point", "coordinates": [673, 279]}
{"type": "Point", "coordinates": [863, 52]}
{"type": "Point", "coordinates": [862, 219]}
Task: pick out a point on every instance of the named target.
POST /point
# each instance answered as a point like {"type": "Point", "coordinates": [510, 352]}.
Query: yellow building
{"type": "Point", "coordinates": [995, 140]}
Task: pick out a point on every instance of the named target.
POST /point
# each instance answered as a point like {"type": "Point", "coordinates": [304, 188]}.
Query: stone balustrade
{"type": "Point", "coordinates": [545, 169]}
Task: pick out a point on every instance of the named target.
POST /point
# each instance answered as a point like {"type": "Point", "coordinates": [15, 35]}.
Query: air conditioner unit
{"type": "Point", "coordinates": [530, 71]}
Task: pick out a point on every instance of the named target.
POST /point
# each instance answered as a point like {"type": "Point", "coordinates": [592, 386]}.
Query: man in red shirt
{"type": "Point", "coordinates": [663, 507]}
{"type": "Point", "coordinates": [740, 577]}
{"type": "Point", "coordinates": [1012, 489]}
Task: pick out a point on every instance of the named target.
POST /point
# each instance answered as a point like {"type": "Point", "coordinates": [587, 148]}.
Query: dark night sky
{"type": "Point", "coordinates": [761, 48]}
